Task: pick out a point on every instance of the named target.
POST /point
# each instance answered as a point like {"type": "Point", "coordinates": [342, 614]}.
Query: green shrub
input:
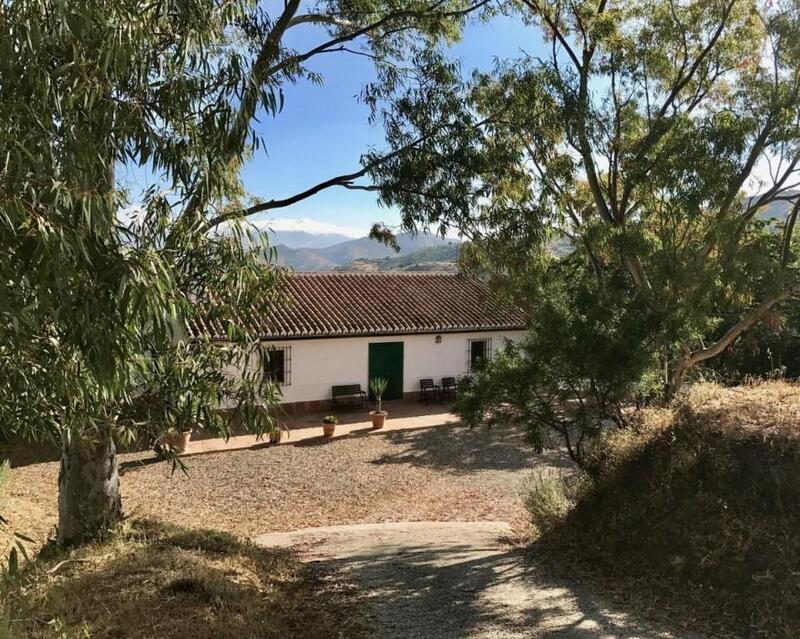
{"type": "Point", "coordinates": [575, 369]}
{"type": "Point", "coordinates": [378, 386]}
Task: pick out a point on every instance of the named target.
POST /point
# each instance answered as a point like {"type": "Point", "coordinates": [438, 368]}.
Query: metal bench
{"type": "Point", "coordinates": [348, 394]}
{"type": "Point", "coordinates": [427, 389]}
{"type": "Point", "coordinates": [449, 387]}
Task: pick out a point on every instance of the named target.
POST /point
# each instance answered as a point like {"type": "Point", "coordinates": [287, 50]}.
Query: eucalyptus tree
{"type": "Point", "coordinates": [100, 286]}
{"type": "Point", "coordinates": [634, 135]}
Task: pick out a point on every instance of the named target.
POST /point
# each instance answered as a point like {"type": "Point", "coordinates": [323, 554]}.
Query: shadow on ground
{"type": "Point", "coordinates": [463, 450]}
{"type": "Point", "coordinates": [161, 581]}
{"type": "Point", "coordinates": [452, 594]}
{"type": "Point", "coordinates": [21, 453]}
{"type": "Point", "coordinates": [460, 581]}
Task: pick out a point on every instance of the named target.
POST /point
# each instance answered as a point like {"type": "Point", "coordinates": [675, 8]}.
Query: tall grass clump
{"type": "Point", "coordinates": [549, 498]}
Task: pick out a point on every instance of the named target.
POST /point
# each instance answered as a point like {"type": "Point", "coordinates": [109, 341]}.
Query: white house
{"type": "Point", "coordinates": [347, 328]}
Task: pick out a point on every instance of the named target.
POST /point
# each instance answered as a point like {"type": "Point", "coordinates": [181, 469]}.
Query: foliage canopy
{"type": "Point", "coordinates": [98, 283]}
{"type": "Point", "coordinates": [634, 142]}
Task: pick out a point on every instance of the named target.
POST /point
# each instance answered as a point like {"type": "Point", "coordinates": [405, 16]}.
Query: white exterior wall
{"type": "Point", "coordinates": [318, 364]}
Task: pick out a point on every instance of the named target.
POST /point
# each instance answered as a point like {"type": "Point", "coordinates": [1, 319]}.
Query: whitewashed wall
{"type": "Point", "coordinates": [318, 364]}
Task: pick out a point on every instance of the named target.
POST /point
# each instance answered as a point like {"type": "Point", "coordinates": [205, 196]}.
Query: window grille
{"type": "Point", "coordinates": [278, 364]}
{"type": "Point", "coordinates": [478, 350]}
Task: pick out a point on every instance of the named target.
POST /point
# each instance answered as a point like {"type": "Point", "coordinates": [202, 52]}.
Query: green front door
{"type": "Point", "coordinates": [386, 360]}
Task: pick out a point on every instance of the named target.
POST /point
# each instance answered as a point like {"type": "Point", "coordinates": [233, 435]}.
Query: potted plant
{"type": "Point", "coordinates": [176, 439]}
{"type": "Point", "coordinates": [275, 436]}
{"type": "Point", "coordinates": [378, 386]}
{"type": "Point", "coordinates": [329, 425]}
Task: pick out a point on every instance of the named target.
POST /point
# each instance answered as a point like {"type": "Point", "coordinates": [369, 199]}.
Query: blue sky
{"type": "Point", "coordinates": [323, 130]}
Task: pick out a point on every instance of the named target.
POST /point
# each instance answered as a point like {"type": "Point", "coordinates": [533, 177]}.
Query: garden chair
{"type": "Point", "coordinates": [428, 389]}
{"type": "Point", "coordinates": [449, 387]}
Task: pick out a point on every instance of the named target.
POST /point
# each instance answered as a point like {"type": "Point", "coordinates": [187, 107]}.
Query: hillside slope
{"type": "Point", "coordinates": [697, 511]}
{"type": "Point", "coordinates": [149, 579]}
{"type": "Point", "coordinates": [344, 253]}
{"type": "Point", "coordinates": [303, 259]}
{"type": "Point", "coordinates": [433, 258]}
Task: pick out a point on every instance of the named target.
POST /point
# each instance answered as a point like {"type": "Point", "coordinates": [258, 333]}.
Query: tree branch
{"type": "Point", "coordinates": [320, 18]}
{"type": "Point", "coordinates": [533, 6]}
{"type": "Point", "coordinates": [769, 195]}
{"type": "Point", "coordinates": [264, 67]}
{"type": "Point", "coordinates": [247, 107]}
{"type": "Point", "coordinates": [655, 133]}
{"type": "Point", "coordinates": [788, 232]}
{"type": "Point", "coordinates": [357, 33]}
{"type": "Point", "coordinates": [739, 180]}
{"type": "Point", "coordinates": [745, 323]}
{"type": "Point", "coordinates": [346, 180]}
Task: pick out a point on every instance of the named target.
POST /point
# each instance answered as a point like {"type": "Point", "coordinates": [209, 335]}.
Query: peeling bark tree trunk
{"type": "Point", "coordinates": [89, 500]}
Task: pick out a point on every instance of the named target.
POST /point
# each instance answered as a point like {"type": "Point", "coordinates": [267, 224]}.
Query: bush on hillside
{"type": "Point", "coordinates": [581, 360]}
{"type": "Point", "coordinates": [698, 509]}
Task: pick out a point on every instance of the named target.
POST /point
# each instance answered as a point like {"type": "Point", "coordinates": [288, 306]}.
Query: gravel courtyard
{"type": "Point", "coordinates": [432, 580]}
{"type": "Point", "coordinates": [445, 473]}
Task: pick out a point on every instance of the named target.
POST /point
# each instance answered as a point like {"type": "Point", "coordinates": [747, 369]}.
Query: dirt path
{"type": "Point", "coordinates": [455, 580]}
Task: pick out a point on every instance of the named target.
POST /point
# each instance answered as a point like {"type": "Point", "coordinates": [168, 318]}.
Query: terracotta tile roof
{"type": "Point", "coordinates": [353, 304]}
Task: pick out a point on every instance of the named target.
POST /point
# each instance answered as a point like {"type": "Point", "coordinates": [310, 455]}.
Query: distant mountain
{"type": "Point", "coordinates": [777, 209]}
{"type": "Point", "coordinates": [303, 259]}
{"type": "Point", "coordinates": [306, 251]}
{"type": "Point", "coordinates": [431, 258]}
{"type": "Point", "coordinates": [366, 248]}
{"type": "Point", "coordinates": [344, 253]}
{"type": "Point", "coordinates": [305, 239]}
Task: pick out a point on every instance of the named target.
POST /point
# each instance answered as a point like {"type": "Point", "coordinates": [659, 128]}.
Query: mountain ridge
{"type": "Point", "coordinates": [359, 249]}
{"type": "Point", "coordinates": [305, 239]}
{"type": "Point", "coordinates": [418, 252]}
{"type": "Point", "coordinates": [432, 258]}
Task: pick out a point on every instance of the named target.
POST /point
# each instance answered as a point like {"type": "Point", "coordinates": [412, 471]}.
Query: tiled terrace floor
{"type": "Point", "coordinates": [403, 415]}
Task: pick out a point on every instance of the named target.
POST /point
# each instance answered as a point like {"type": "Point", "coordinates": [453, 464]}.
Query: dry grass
{"type": "Point", "coordinates": [151, 580]}
{"type": "Point", "coordinates": [696, 514]}
{"type": "Point", "coordinates": [445, 474]}
{"type": "Point", "coordinates": [549, 498]}
{"type": "Point", "coordinates": [768, 410]}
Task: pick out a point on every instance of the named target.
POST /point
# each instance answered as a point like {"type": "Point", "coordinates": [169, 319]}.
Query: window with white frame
{"type": "Point", "coordinates": [478, 350]}
{"type": "Point", "coordinates": [278, 364]}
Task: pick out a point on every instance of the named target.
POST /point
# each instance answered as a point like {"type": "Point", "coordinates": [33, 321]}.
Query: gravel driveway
{"type": "Point", "coordinates": [434, 580]}
{"type": "Point", "coordinates": [445, 473]}
{"type": "Point", "coordinates": [437, 581]}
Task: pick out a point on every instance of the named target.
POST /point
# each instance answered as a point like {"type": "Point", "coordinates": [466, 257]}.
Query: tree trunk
{"type": "Point", "coordinates": [675, 381]}
{"type": "Point", "coordinates": [89, 500]}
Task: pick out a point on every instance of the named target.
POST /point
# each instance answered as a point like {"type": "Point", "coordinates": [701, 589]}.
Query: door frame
{"type": "Point", "coordinates": [396, 374]}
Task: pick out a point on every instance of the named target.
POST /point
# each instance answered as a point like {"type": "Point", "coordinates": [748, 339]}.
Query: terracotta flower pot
{"type": "Point", "coordinates": [328, 429]}
{"type": "Point", "coordinates": [178, 441]}
{"type": "Point", "coordinates": [378, 417]}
